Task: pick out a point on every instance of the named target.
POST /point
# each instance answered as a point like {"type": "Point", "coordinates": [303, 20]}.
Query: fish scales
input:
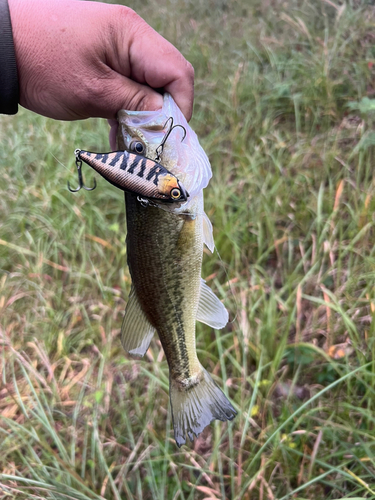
{"type": "Point", "coordinates": [165, 250]}
{"type": "Point", "coordinates": [157, 263]}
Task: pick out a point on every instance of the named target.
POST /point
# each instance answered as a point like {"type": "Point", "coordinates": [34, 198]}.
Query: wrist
{"type": "Point", "coordinates": [9, 88]}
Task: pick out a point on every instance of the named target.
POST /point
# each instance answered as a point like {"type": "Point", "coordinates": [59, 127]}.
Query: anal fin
{"type": "Point", "coordinates": [210, 310]}
{"type": "Point", "coordinates": [136, 330]}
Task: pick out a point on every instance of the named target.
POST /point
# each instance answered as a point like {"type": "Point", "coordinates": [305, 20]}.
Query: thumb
{"type": "Point", "coordinates": [124, 93]}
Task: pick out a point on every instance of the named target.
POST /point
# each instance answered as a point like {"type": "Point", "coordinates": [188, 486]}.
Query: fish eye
{"type": "Point", "coordinates": [175, 193]}
{"type": "Point", "coordinates": [137, 147]}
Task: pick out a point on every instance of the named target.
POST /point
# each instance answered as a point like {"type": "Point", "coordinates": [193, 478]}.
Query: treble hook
{"type": "Point", "coordinates": [80, 178]}
{"type": "Point", "coordinates": [159, 149]}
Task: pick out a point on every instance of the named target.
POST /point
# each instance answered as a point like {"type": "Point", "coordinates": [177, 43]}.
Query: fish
{"type": "Point", "coordinates": [164, 252]}
{"type": "Point", "coordinates": [136, 173]}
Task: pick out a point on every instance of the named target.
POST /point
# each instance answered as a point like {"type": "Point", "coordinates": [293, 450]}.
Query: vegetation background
{"type": "Point", "coordinates": [285, 109]}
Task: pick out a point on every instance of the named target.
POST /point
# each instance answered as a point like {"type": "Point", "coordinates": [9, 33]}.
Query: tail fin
{"type": "Point", "coordinates": [194, 407]}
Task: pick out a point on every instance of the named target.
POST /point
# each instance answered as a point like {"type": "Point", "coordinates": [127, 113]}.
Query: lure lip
{"type": "Point", "coordinates": [184, 194]}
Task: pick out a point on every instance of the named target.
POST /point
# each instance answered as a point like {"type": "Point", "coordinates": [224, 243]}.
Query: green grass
{"type": "Point", "coordinates": [284, 107]}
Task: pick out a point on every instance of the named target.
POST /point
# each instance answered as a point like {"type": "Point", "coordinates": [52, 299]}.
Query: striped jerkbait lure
{"type": "Point", "coordinates": [137, 174]}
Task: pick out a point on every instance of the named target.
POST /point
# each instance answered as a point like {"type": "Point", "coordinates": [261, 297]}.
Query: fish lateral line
{"type": "Point", "coordinates": [193, 216]}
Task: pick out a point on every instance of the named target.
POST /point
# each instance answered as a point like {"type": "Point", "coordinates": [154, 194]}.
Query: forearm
{"type": "Point", "coordinates": [9, 90]}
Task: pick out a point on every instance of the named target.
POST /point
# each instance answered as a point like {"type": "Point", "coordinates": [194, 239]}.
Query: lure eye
{"type": "Point", "coordinates": [175, 193]}
{"type": "Point", "coordinates": [137, 147]}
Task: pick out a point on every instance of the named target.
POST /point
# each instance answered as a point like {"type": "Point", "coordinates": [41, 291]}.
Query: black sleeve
{"type": "Point", "coordinates": [9, 90]}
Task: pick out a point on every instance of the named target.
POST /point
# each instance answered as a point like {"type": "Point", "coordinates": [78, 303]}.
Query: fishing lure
{"type": "Point", "coordinates": [132, 171]}
{"type": "Point", "coordinates": [137, 174]}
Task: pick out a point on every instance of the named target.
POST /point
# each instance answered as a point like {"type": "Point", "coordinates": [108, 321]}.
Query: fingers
{"type": "Point", "coordinates": [105, 97]}
{"type": "Point", "coordinates": [153, 61]}
{"type": "Point", "coordinates": [182, 90]}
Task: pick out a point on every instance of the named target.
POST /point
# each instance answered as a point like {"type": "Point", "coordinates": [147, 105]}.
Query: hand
{"type": "Point", "coordinates": [86, 59]}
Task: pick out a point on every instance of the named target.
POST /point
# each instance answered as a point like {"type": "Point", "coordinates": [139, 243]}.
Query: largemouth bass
{"type": "Point", "coordinates": [165, 250]}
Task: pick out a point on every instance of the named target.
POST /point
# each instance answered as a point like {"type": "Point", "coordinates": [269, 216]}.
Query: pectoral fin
{"type": "Point", "coordinates": [210, 310]}
{"type": "Point", "coordinates": [136, 330]}
{"type": "Point", "coordinates": [208, 237]}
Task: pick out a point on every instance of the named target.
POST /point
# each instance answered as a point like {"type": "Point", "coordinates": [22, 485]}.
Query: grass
{"type": "Point", "coordinates": [285, 109]}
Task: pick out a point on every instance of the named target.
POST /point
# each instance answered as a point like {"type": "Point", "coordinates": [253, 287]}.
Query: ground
{"type": "Point", "coordinates": [285, 109]}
